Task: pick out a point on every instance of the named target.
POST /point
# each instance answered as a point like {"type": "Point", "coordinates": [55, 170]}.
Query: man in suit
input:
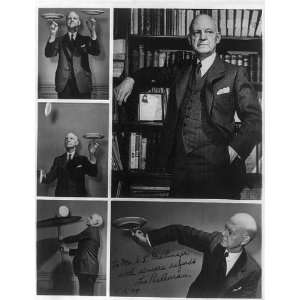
{"type": "Point", "coordinates": [73, 78]}
{"type": "Point", "coordinates": [227, 269]}
{"type": "Point", "coordinates": [85, 262]}
{"type": "Point", "coordinates": [70, 168]}
{"type": "Point", "coordinates": [199, 143]}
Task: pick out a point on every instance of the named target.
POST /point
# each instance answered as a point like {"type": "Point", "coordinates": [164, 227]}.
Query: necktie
{"type": "Point", "coordinates": [69, 156]}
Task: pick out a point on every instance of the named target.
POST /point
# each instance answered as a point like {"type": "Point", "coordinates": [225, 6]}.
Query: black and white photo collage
{"type": "Point", "coordinates": [149, 152]}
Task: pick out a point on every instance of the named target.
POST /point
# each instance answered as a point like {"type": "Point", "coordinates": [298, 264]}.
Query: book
{"type": "Point", "coordinates": [215, 17]}
{"type": "Point", "coordinates": [253, 23]}
{"type": "Point", "coordinates": [132, 150]}
{"type": "Point", "coordinates": [245, 22]}
{"type": "Point", "coordinates": [230, 27]}
{"type": "Point", "coordinates": [238, 23]}
{"type": "Point", "coordinates": [259, 27]}
{"type": "Point", "coordinates": [119, 49]}
{"type": "Point", "coordinates": [144, 153]}
{"type": "Point", "coordinates": [223, 26]}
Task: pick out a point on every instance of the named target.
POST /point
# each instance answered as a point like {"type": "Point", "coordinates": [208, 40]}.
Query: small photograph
{"type": "Point", "coordinates": [72, 149]}
{"type": "Point", "coordinates": [195, 250]}
{"type": "Point", "coordinates": [71, 247]}
{"type": "Point", "coordinates": [187, 92]}
{"type": "Point", "coordinates": [73, 53]}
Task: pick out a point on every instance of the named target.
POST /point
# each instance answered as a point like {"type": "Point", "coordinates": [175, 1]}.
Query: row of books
{"type": "Point", "coordinates": [176, 22]}
{"type": "Point", "coordinates": [164, 58]}
{"type": "Point", "coordinates": [143, 151]}
{"type": "Point", "coordinates": [149, 191]}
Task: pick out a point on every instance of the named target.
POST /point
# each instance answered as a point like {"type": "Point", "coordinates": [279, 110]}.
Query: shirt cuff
{"type": "Point", "coordinates": [148, 241]}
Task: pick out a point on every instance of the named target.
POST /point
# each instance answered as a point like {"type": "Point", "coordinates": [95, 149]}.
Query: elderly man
{"type": "Point", "coordinates": [70, 168]}
{"type": "Point", "coordinates": [85, 262]}
{"type": "Point", "coordinates": [73, 78]}
{"type": "Point", "coordinates": [227, 270]}
{"type": "Point", "coordinates": [199, 144]}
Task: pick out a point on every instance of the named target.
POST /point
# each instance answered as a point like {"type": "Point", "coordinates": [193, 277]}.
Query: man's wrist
{"type": "Point", "coordinates": [51, 38]}
{"type": "Point", "coordinates": [93, 36]}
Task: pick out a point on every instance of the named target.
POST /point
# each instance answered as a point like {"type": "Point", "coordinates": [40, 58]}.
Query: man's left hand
{"type": "Point", "coordinates": [91, 24]}
{"type": "Point", "coordinates": [92, 147]}
{"type": "Point", "coordinates": [232, 154]}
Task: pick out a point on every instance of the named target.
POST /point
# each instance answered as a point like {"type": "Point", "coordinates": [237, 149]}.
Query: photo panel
{"type": "Point", "coordinates": [164, 249]}
{"type": "Point", "coordinates": [79, 129]}
{"type": "Point", "coordinates": [73, 53]}
{"type": "Point", "coordinates": [71, 247]}
{"type": "Point", "coordinates": [192, 125]}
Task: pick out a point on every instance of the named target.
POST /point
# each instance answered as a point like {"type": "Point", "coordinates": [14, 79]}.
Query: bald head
{"type": "Point", "coordinates": [204, 19]}
{"type": "Point", "coordinates": [245, 222]}
{"type": "Point", "coordinates": [203, 36]}
{"type": "Point", "coordinates": [239, 230]}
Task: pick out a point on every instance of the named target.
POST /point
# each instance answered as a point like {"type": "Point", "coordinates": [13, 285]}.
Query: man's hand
{"type": "Point", "coordinates": [140, 237]}
{"type": "Point", "coordinates": [42, 175]}
{"type": "Point", "coordinates": [123, 90]}
{"type": "Point", "coordinates": [53, 31]}
{"type": "Point", "coordinates": [64, 249]}
{"type": "Point", "coordinates": [232, 154]}
{"type": "Point", "coordinates": [92, 147]}
{"type": "Point", "coordinates": [91, 24]}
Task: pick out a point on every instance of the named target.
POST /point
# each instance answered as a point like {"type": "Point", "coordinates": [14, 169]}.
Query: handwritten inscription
{"type": "Point", "coordinates": [135, 274]}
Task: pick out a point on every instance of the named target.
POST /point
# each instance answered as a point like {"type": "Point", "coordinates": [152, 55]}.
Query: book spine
{"type": "Point", "coordinates": [253, 23]}
{"type": "Point", "coordinates": [132, 150]}
{"type": "Point", "coordinates": [238, 23]}
{"type": "Point", "coordinates": [144, 153]}
{"type": "Point", "coordinates": [223, 22]}
{"type": "Point", "coordinates": [245, 23]}
{"type": "Point", "coordinates": [230, 20]}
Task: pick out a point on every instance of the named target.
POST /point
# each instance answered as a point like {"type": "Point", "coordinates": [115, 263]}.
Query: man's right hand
{"type": "Point", "coordinates": [123, 90]}
{"type": "Point", "coordinates": [41, 175]}
{"type": "Point", "coordinates": [53, 31]}
{"type": "Point", "coordinates": [140, 237]}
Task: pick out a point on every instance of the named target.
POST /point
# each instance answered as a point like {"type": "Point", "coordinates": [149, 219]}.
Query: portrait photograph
{"type": "Point", "coordinates": [71, 247]}
{"type": "Point", "coordinates": [194, 250]}
{"type": "Point", "coordinates": [188, 105]}
{"type": "Point", "coordinates": [72, 149]}
{"type": "Point", "coordinates": [73, 53]}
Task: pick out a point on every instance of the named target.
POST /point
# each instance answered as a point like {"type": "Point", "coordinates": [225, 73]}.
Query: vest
{"type": "Point", "coordinates": [196, 135]}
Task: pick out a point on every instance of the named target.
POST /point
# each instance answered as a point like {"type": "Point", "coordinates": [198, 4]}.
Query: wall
{"type": "Point", "coordinates": [167, 270]}
{"type": "Point", "coordinates": [77, 118]}
{"type": "Point", "coordinates": [99, 64]}
{"type": "Point", "coordinates": [55, 276]}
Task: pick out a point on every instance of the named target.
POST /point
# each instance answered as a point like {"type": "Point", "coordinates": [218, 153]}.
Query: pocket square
{"type": "Point", "coordinates": [237, 289]}
{"type": "Point", "coordinates": [83, 45]}
{"type": "Point", "coordinates": [79, 166]}
{"type": "Point", "coordinates": [224, 90]}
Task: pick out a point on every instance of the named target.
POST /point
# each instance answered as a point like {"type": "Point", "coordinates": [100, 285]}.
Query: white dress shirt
{"type": "Point", "coordinates": [231, 259]}
{"type": "Point", "coordinates": [206, 63]}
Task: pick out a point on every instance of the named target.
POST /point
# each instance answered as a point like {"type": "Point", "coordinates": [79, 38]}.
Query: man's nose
{"type": "Point", "coordinates": [202, 35]}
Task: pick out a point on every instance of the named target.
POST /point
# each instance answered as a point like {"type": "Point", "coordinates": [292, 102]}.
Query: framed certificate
{"type": "Point", "coordinates": [150, 107]}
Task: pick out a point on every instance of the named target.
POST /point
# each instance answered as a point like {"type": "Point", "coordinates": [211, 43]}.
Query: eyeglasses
{"type": "Point", "coordinates": [201, 33]}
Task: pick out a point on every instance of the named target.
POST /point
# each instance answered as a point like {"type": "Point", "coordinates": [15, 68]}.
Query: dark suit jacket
{"type": "Point", "coordinates": [86, 255]}
{"type": "Point", "coordinates": [70, 175]}
{"type": "Point", "coordinates": [221, 106]}
{"type": "Point", "coordinates": [76, 61]}
{"type": "Point", "coordinates": [240, 282]}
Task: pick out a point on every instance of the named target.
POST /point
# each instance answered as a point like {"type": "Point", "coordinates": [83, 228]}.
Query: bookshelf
{"type": "Point", "coordinates": [157, 37]}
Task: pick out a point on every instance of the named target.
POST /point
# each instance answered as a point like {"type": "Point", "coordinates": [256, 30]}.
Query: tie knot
{"type": "Point", "coordinates": [226, 253]}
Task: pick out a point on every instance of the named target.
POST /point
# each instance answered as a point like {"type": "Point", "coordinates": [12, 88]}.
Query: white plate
{"type": "Point", "coordinates": [92, 12]}
{"type": "Point", "coordinates": [52, 16]}
{"type": "Point", "coordinates": [129, 223]}
{"type": "Point", "coordinates": [93, 135]}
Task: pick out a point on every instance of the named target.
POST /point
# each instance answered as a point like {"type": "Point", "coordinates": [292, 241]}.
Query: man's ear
{"type": "Point", "coordinates": [79, 22]}
{"type": "Point", "coordinates": [246, 240]}
{"type": "Point", "coordinates": [218, 37]}
{"type": "Point", "coordinates": [189, 39]}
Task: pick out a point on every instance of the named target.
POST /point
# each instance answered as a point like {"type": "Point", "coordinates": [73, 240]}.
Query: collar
{"type": "Point", "coordinates": [72, 154]}
{"type": "Point", "coordinates": [74, 34]}
{"type": "Point", "coordinates": [207, 62]}
{"type": "Point", "coordinates": [233, 255]}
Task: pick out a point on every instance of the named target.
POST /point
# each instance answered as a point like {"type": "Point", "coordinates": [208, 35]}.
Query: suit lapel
{"type": "Point", "coordinates": [236, 273]}
{"type": "Point", "coordinates": [216, 72]}
{"type": "Point", "coordinates": [182, 85]}
{"type": "Point", "coordinates": [66, 46]}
